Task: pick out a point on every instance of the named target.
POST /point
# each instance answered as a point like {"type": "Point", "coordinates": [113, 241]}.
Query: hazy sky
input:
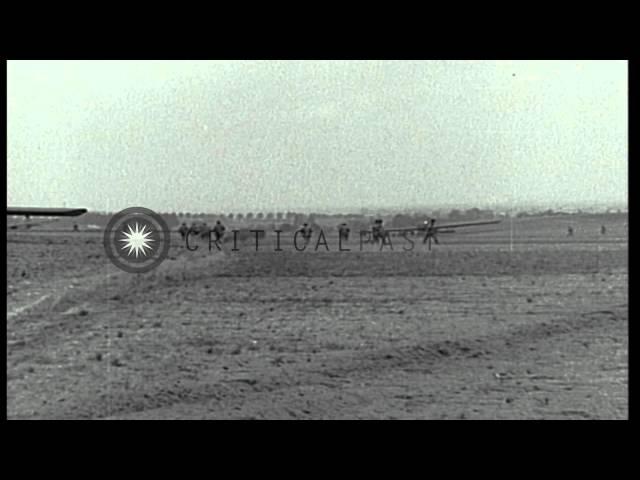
{"type": "Point", "coordinates": [250, 136]}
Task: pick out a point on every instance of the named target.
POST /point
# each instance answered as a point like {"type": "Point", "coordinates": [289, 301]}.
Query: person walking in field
{"type": "Point", "coordinates": [570, 231]}
{"type": "Point", "coordinates": [343, 231]}
{"type": "Point", "coordinates": [306, 232]}
{"type": "Point", "coordinates": [218, 230]}
{"type": "Point", "coordinates": [183, 230]}
{"type": "Point", "coordinates": [377, 231]}
{"type": "Point", "coordinates": [204, 230]}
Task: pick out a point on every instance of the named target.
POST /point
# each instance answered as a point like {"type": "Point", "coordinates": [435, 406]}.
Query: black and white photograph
{"type": "Point", "coordinates": [317, 240]}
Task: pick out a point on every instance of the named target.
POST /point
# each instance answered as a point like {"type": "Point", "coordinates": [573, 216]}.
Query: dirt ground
{"type": "Point", "coordinates": [498, 325]}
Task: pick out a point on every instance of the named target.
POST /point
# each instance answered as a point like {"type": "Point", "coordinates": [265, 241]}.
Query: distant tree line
{"type": "Point", "coordinates": [287, 221]}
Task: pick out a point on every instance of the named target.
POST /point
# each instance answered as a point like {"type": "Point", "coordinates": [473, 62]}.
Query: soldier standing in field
{"type": "Point", "coordinates": [377, 231]}
{"type": "Point", "coordinates": [183, 230]}
{"type": "Point", "coordinates": [306, 233]}
{"type": "Point", "coordinates": [218, 230]}
{"type": "Point", "coordinates": [343, 231]}
{"type": "Point", "coordinates": [430, 233]}
{"type": "Point", "coordinates": [204, 230]}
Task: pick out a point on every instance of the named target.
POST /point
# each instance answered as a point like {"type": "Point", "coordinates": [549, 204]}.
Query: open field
{"type": "Point", "coordinates": [519, 321]}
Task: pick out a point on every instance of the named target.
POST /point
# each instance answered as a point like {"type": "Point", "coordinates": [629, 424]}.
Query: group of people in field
{"type": "Point", "coordinates": [377, 231]}
{"type": "Point", "coordinates": [219, 229]}
{"type": "Point", "coordinates": [306, 231]}
{"type": "Point", "coordinates": [204, 230]}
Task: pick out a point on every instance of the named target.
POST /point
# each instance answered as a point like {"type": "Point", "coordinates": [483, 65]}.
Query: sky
{"type": "Point", "coordinates": [269, 136]}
